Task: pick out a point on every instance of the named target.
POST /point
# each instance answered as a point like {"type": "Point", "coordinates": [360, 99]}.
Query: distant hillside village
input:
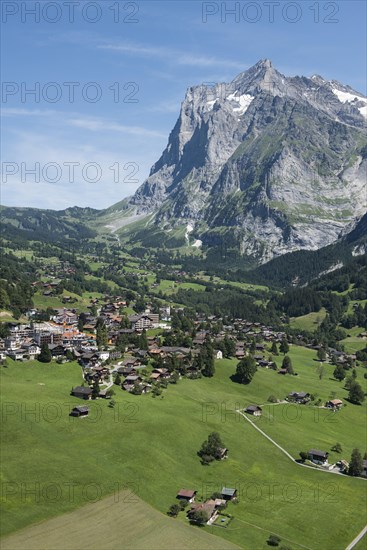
{"type": "Point", "coordinates": [69, 332]}
{"type": "Point", "coordinates": [173, 342]}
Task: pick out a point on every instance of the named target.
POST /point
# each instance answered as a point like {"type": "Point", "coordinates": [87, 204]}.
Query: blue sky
{"type": "Point", "coordinates": [110, 76]}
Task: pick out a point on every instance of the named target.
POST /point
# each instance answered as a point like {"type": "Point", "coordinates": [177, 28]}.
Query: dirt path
{"type": "Point", "coordinates": [267, 437]}
{"type": "Point", "coordinates": [357, 539]}
{"type": "Point", "coordinates": [286, 452]}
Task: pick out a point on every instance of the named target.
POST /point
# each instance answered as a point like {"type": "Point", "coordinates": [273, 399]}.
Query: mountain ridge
{"type": "Point", "coordinates": [265, 165]}
{"type": "Point", "coordinates": [261, 156]}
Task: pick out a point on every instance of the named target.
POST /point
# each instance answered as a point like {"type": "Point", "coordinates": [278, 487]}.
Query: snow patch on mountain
{"type": "Point", "coordinates": [347, 97]}
{"type": "Point", "coordinates": [210, 104]}
{"type": "Point", "coordinates": [243, 101]}
{"type": "Point", "coordinates": [359, 250]}
{"type": "Point", "coordinates": [189, 229]}
{"type": "Point", "coordinates": [198, 243]}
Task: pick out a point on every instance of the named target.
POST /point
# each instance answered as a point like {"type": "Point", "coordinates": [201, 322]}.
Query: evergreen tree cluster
{"type": "Point", "coordinates": [15, 289]}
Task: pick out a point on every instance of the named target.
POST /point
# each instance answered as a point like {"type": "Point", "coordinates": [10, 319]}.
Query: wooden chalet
{"type": "Point", "coordinates": [82, 392]}
{"type": "Point", "coordinates": [299, 397]}
{"type": "Point", "coordinates": [318, 457]}
{"type": "Point", "coordinates": [79, 412]}
{"type": "Point", "coordinates": [255, 410]}
{"type": "Point", "coordinates": [228, 493]}
{"type": "Point", "coordinates": [186, 494]}
{"type": "Point", "coordinates": [334, 404]}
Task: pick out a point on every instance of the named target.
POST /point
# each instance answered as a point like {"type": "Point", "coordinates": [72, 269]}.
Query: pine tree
{"type": "Point", "coordinates": [209, 368]}
{"type": "Point", "coordinates": [45, 355]}
{"type": "Point", "coordinates": [284, 347]}
{"type": "Point", "coordinates": [102, 337]}
{"type": "Point", "coordinates": [274, 348]}
{"type": "Point", "coordinates": [95, 389]}
{"type": "Point", "coordinates": [287, 364]}
{"type": "Point", "coordinates": [356, 463]}
{"type": "Point", "coordinates": [229, 347]}
{"type": "Point", "coordinates": [207, 355]}
{"type": "Point", "coordinates": [143, 340]}
{"type": "Point", "coordinates": [253, 346]}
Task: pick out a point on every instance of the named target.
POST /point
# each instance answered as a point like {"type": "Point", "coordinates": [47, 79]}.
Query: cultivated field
{"type": "Point", "coordinates": [119, 521]}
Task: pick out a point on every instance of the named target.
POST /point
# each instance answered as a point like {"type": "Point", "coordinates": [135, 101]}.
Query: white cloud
{"type": "Point", "coordinates": [87, 123]}
{"type": "Point", "coordinates": [9, 112]}
{"type": "Point", "coordinates": [100, 124]}
{"type": "Point", "coordinates": [175, 56]}
{"type": "Point", "coordinates": [204, 61]}
{"type": "Point", "coordinates": [149, 51]}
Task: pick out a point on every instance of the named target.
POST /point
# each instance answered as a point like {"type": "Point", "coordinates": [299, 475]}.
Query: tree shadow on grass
{"type": "Point", "coordinates": [235, 378]}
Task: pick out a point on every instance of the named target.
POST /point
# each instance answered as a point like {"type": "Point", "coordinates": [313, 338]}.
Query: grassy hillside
{"type": "Point", "coordinates": [308, 322]}
{"type": "Point", "coordinates": [149, 445]}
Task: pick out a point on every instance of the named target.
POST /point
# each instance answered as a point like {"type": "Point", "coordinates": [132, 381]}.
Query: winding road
{"type": "Point", "coordinates": [357, 539]}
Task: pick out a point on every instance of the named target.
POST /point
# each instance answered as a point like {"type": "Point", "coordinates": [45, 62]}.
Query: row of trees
{"type": "Point", "coordinates": [45, 355]}
{"type": "Point", "coordinates": [15, 289]}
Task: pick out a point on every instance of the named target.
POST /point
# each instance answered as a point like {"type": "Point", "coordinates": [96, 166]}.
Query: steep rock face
{"type": "Point", "coordinates": [280, 162]}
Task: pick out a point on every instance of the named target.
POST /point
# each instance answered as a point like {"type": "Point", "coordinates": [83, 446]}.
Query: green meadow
{"type": "Point", "coordinates": [244, 286]}
{"type": "Point", "coordinates": [353, 344]}
{"type": "Point", "coordinates": [55, 302]}
{"type": "Point", "coordinates": [148, 446]}
{"type": "Point", "coordinates": [352, 302]}
{"type": "Point", "coordinates": [169, 287]}
{"type": "Point", "coordinates": [308, 322]}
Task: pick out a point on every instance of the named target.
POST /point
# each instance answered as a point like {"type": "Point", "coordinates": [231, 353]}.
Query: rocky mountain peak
{"type": "Point", "coordinates": [278, 163]}
{"type": "Point", "coordinates": [262, 76]}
